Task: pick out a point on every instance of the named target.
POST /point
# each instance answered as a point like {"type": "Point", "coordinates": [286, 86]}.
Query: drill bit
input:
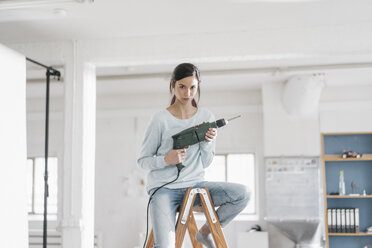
{"type": "Point", "coordinates": [234, 118]}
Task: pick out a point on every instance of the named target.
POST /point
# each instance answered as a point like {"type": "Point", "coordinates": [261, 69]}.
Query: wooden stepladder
{"type": "Point", "coordinates": [186, 220]}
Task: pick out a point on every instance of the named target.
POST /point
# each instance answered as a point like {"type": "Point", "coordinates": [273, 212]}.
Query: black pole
{"type": "Point", "coordinates": [50, 72]}
{"type": "Point", "coordinates": [35, 62]}
{"type": "Point", "coordinates": [46, 187]}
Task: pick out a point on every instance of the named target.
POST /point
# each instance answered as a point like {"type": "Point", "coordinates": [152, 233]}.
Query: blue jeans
{"type": "Point", "coordinates": [230, 198]}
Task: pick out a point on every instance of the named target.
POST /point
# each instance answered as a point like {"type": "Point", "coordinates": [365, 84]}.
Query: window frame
{"type": "Point", "coordinates": [242, 216]}
{"type": "Point", "coordinates": [33, 187]}
{"type": "Point", "coordinates": [33, 216]}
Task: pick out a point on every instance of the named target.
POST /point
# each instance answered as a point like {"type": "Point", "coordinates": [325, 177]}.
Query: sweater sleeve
{"type": "Point", "coordinates": [148, 158]}
{"type": "Point", "coordinates": [207, 149]}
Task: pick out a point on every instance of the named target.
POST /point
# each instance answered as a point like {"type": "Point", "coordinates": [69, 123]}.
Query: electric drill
{"type": "Point", "coordinates": [196, 134]}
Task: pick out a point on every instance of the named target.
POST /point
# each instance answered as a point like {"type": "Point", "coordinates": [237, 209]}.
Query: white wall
{"type": "Point", "coordinates": [120, 198]}
{"type": "Point", "coordinates": [286, 135]}
{"type": "Point", "coordinates": [346, 109]}
{"type": "Point", "coordinates": [13, 188]}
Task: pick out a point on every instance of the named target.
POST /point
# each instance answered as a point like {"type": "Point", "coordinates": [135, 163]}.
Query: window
{"type": "Point", "coordinates": [235, 168]}
{"type": "Point", "coordinates": [35, 185]}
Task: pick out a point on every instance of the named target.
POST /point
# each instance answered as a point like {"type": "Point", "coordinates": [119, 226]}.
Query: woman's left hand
{"type": "Point", "coordinates": [211, 134]}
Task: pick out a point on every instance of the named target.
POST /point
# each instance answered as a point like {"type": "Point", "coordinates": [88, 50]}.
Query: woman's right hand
{"type": "Point", "coordinates": [175, 157]}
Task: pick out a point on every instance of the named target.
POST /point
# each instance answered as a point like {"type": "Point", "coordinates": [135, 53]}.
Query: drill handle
{"type": "Point", "coordinates": [176, 146]}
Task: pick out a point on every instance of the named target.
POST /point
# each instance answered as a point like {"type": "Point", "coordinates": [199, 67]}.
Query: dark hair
{"type": "Point", "coordinates": [182, 71]}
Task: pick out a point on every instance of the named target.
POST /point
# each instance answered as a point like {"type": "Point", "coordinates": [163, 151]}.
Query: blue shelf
{"type": "Point", "coordinates": [335, 144]}
{"type": "Point", "coordinates": [364, 205]}
{"type": "Point", "coordinates": [358, 171]}
{"type": "Point", "coordinates": [349, 241]}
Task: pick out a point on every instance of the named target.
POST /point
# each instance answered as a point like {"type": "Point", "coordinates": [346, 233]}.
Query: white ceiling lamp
{"type": "Point", "coordinates": [301, 94]}
{"type": "Point", "coordinates": [19, 4]}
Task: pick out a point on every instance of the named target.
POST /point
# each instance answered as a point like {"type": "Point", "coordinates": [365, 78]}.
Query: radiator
{"type": "Point", "coordinates": [54, 239]}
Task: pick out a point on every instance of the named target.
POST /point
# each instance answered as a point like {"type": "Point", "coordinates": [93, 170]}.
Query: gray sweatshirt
{"type": "Point", "coordinates": [158, 142]}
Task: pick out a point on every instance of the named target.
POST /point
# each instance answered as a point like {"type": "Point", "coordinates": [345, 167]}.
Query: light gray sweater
{"type": "Point", "coordinates": [158, 142]}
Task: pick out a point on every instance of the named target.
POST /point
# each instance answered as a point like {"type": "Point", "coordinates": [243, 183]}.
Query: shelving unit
{"type": "Point", "coordinates": [356, 170]}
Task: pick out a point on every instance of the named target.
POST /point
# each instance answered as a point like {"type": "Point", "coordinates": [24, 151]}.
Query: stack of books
{"type": "Point", "coordinates": [343, 220]}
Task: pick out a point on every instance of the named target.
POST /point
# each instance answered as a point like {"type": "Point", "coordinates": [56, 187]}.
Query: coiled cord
{"type": "Point", "coordinates": [148, 204]}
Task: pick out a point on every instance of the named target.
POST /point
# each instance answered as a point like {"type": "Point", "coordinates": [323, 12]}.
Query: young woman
{"type": "Point", "coordinates": [158, 157]}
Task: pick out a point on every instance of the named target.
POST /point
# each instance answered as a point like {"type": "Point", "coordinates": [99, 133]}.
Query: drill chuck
{"type": "Point", "coordinates": [221, 123]}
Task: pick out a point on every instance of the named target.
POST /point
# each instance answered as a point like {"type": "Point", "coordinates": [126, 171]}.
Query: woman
{"type": "Point", "coordinates": [158, 156]}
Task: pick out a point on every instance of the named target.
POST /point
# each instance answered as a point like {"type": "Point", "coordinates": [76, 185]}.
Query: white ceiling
{"type": "Point", "coordinates": [106, 19]}
{"type": "Point", "coordinates": [122, 18]}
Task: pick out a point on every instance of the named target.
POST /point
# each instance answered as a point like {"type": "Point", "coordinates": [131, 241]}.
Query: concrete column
{"type": "Point", "coordinates": [77, 224]}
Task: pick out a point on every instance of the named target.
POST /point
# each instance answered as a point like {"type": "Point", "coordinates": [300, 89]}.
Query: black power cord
{"type": "Point", "coordinates": [148, 204]}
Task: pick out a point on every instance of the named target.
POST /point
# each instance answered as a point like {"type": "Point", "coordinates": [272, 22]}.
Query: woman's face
{"type": "Point", "coordinates": [185, 89]}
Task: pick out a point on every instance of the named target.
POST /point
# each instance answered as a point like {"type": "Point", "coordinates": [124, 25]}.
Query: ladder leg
{"type": "Point", "coordinates": [150, 241]}
{"type": "Point", "coordinates": [214, 225]}
{"type": "Point", "coordinates": [193, 229]}
{"type": "Point", "coordinates": [183, 217]}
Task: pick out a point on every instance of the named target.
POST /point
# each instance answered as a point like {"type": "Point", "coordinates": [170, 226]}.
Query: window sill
{"type": "Point", "coordinates": [40, 217]}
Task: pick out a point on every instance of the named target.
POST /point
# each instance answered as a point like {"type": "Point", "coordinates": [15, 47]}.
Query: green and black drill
{"type": "Point", "coordinates": [196, 134]}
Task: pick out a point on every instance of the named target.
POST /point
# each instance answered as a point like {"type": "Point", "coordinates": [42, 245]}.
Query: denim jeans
{"type": "Point", "coordinates": [230, 198]}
